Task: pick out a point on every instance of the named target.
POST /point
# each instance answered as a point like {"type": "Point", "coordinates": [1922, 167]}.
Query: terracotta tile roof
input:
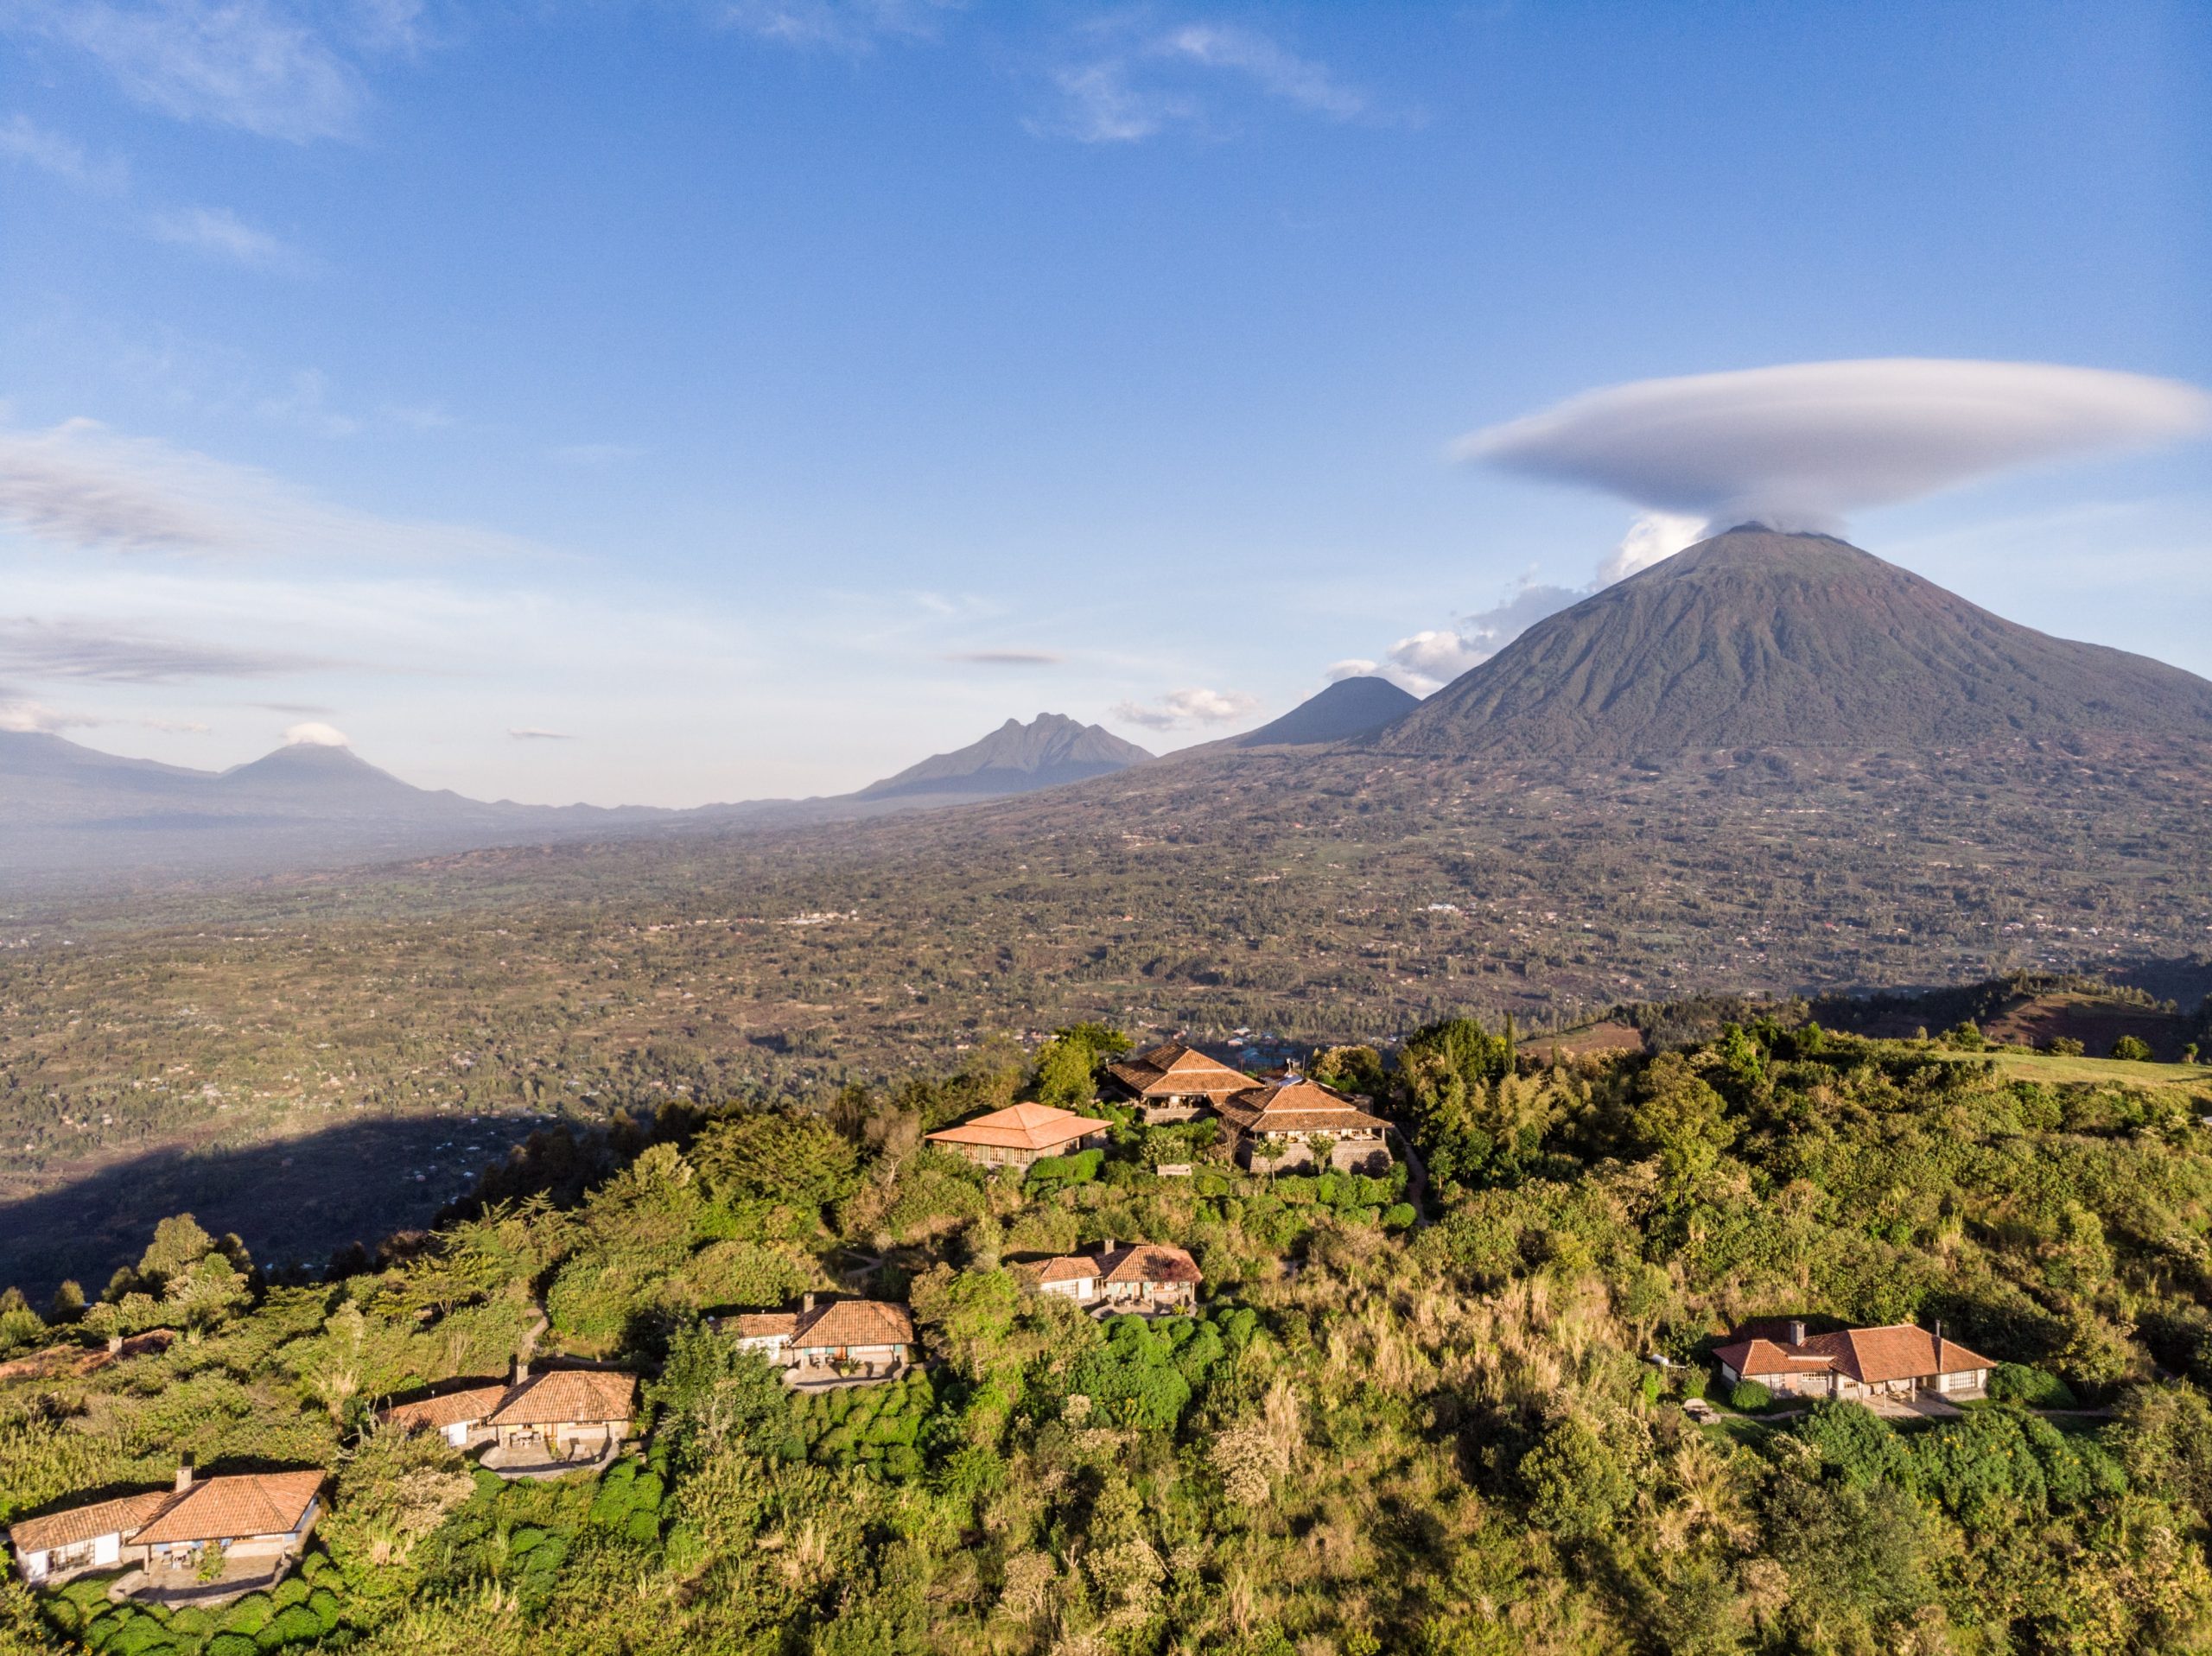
{"type": "Point", "coordinates": [118, 1517]}
{"type": "Point", "coordinates": [1067, 1267]}
{"type": "Point", "coordinates": [1872, 1356]}
{"type": "Point", "coordinates": [1174, 1070]}
{"type": "Point", "coordinates": [1130, 1262]}
{"type": "Point", "coordinates": [854, 1323]}
{"type": "Point", "coordinates": [250, 1503]}
{"type": "Point", "coordinates": [564, 1396]}
{"type": "Point", "coordinates": [1150, 1262]}
{"type": "Point", "coordinates": [1024, 1126]}
{"type": "Point", "coordinates": [763, 1325]}
{"type": "Point", "coordinates": [1294, 1104]}
{"type": "Point", "coordinates": [463, 1406]}
{"type": "Point", "coordinates": [1753, 1358]}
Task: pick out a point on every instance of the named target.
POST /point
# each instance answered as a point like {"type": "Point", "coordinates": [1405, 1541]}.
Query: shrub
{"type": "Point", "coordinates": [1749, 1397]}
{"type": "Point", "coordinates": [2036, 1388]}
{"type": "Point", "coordinates": [2132, 1047]}
{"type": "Point", "coordinates": [231, 1644]}
{"type": "Point", "coordinates": [1056, 1173]}
{"type": "Point", "coordinates": [294, 1624]}
{"type": "Point", "coordinates": [1399, 1215]}
{"type": "Point", "coordinates": [2064, 1046]}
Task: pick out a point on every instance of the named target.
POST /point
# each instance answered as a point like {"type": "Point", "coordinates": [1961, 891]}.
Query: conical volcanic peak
{"type": "Point", "coordinates": [1350, 707]}
{"type": "Point", "coordinates": [1756, 638]}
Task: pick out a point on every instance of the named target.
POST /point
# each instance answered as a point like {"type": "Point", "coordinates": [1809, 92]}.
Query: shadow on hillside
{"type": "Point", "coordinates": [293, 1200]}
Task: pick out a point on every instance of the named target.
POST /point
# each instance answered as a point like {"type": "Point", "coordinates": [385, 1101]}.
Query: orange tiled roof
{"type": "Point", "coordinates": [1174, 1070]}
{"type": "Point", "coordinates": [765, 1325]}
{"type": "Point", "coordinates": [460, 1406]}
{"type": "Point", "coordinates": [1872, 1356]}
{"type": "Point", "coordinates": [1065, 1267]}
{"type": "Point", "coordinates": [1149, 1262]}
{"type": "Point", "coordinates": [1294, 1104]}
{"type": "Point", "coordinates": [249, 1503]}
{"type": "Point", "coordinates": [1024, 1126]}
{"type": "Point", "coordinates": [564, 1397]}
{"type": "Point", "coordinates": [854, 1323]}
{"type": "Point", "coordinates": [118, 1517]}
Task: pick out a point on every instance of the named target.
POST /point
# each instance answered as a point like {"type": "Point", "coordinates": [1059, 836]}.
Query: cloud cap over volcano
{"type": "Point", "coordinates": [1803, 445]}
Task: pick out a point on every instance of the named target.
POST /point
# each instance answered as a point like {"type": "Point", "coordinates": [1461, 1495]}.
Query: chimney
{"type": "Point", "coordinates": [183, 1476]}
{"type": "Point", "coordinates": [1939, 1345]}
{"type": "Point", "coordinates": [1796, 1333]}
{"type": "Point", "coordinates": [1105, 1248]}
{"type": "Point", "coordinates": [806, 1305]}
{"type": "Point", "coordinates": [522, 1369]}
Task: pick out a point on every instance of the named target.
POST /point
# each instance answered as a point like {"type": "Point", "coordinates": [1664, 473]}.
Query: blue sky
{"type": "Point", "coordinates": [673, 401]}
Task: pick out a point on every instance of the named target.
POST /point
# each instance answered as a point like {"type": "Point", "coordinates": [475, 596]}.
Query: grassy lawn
{"type": "Point", "coordinates": [2047, 1066]}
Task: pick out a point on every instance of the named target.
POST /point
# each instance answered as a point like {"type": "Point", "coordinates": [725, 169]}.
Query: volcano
{"type": "Point", "coordinates": [1760, 639]}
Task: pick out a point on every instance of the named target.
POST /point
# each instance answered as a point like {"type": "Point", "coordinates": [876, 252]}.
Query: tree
{"type": "Point", "coordinates": [1350, 1068]}
{"type": "Point", "coordinates": [1681, 1120]}
{"type": "Point", "coordinates": [1576, 1485]}
{"type": "Point", "coordinates": [2132, 1047]}
{"type": "Point", "coordinates": [776, 1156]}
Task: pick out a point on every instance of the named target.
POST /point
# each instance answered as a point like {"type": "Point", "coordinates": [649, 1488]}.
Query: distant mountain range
{"type": "Point", "coordinates": [1752, 639]}
{"type": "Point", "coordinates": [68, 811]}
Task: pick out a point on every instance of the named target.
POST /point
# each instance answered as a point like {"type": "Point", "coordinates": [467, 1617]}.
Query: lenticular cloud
{"type": "Point", "coordinates": [1805, 445]}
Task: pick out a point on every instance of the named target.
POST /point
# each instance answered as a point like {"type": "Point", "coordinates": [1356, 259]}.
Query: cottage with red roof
{"type": "Point", "coordinates": [247, 1518]}
{"type": "Point", "coordinates": [1022, 1135]}
{"type": "Point", "coordinates": [1279, 1123]}
{"type": "Point", "coordinates": [1898, 1360]}
{"type": "Point", "coordinates": [562, 1415]}
{"type": "Point", "coordinates": [839, 1341]}
{"type": "Point", "coordinates": [1175, 1082]}
{"type": "Point", "coordinates": [1129, 1276]}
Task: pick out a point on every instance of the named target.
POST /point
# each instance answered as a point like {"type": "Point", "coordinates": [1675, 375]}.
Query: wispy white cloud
{"type": "Point", "coordinates": [115, 654]}
{"type": "Point", "coordinates": [221, 233]}
{"type": "Point", "coordinates": [315, 733]}
{"type": "Point", "coordinates": [23, 717]}
{"type": "Point", "coordinates": [1098, 105]}
{"type": "Point", "coordinates": [847, 26]}
{"type": "Point", "coordinates": [530, 733]}
{"type": "Point", "coordinates": [1279, 73]}
{"type": "Point", "coordinates": [1352, 666]}
{"type": "Point", "coordinates": [267, 68]}
{"type": "Point", "coordinates": [1652, 537]}
{"type": "Point", "coordinates": [1007, 657]}
{"type": "Point", "coordinates": [23, 141]}
{"type": "Point", "coordinates": [1122, 84]}
{"type": "Point", "coordinates": [81, 485]}
{"type": "Point", "coordinates": [1181, 708]}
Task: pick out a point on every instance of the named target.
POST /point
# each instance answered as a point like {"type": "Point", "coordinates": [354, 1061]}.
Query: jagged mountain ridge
{"type": "Point", "coordinates": [1015, 759]}
{"type": "Point", "coordinates": [1757, 639]}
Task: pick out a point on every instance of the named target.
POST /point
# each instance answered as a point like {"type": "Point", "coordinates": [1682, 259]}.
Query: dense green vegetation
{"type": "Point", "coordinates": [357, 1024]}
{"type": "Point", "coordinates": [1374, 1437]}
